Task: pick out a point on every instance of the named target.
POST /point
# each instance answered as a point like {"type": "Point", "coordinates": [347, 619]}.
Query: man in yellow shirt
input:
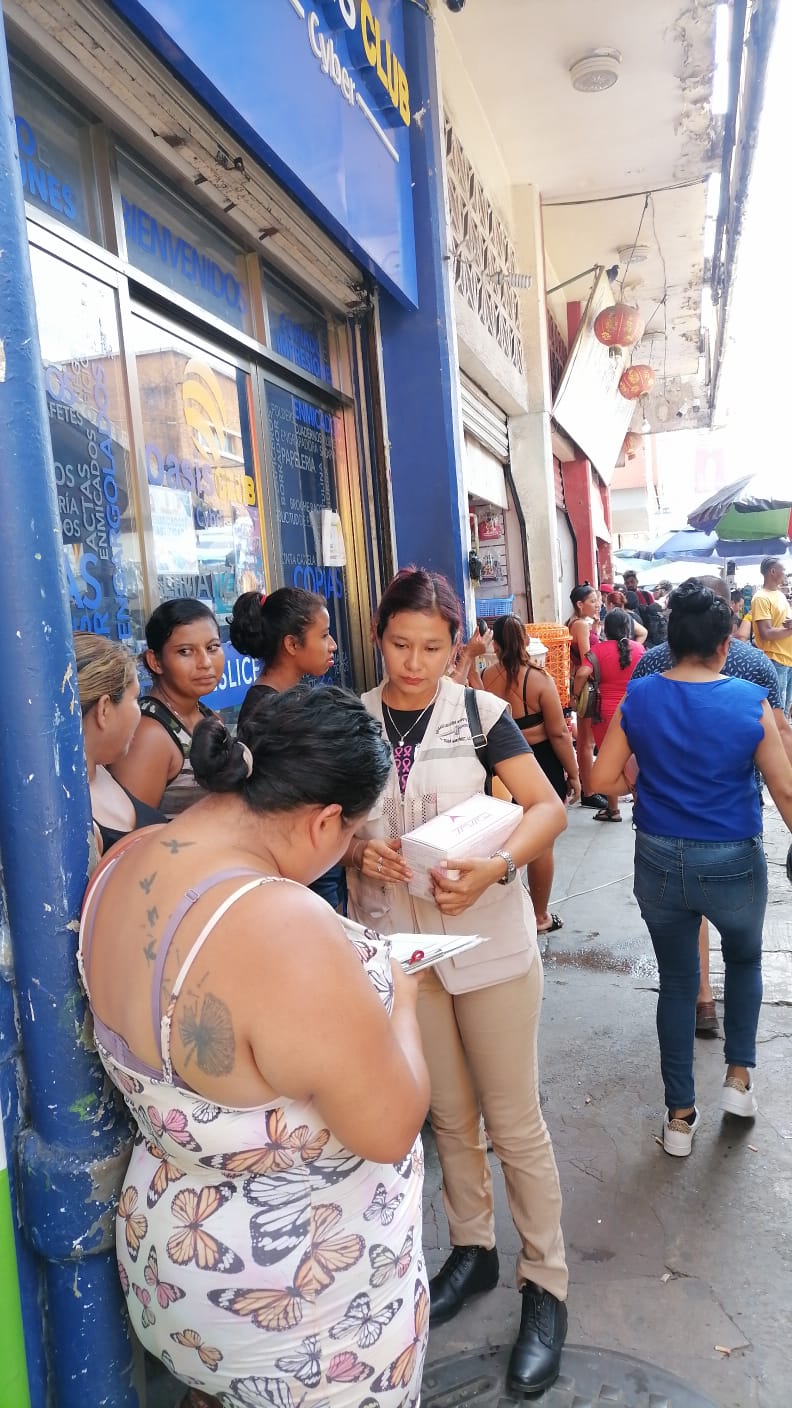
{"type": "Point", "coordinates": [771, 615]}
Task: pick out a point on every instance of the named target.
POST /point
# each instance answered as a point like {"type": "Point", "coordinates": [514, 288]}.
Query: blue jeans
{"type": "Point", "coordinates": [332, 887]}
{"type": "Point", "coordinates": [784, 673]}
{"type": "Point", "coordinates": [676, 883]}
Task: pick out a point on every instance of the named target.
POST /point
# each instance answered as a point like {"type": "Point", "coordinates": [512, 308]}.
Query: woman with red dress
{"type": "Point", "coordinates": [617, 656]}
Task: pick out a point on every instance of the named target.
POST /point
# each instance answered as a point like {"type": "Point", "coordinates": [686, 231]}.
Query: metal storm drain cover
{"type": "Point", "coordinates": [588, 1377]}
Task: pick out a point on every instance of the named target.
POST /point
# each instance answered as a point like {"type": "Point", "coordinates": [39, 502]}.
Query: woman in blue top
{"type": "Point", "coordinates": [696, 734]}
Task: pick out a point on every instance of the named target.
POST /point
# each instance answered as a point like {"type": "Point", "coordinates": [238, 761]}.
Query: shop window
{"type": "Point", "coordinates": [305, 440]}
{"type": "Point", "coordinates": [297, 332]}
{"type": "Point", "coordinates": [86, 406]}
{"type": "Point", "coordinates": [54, 161]}
{"type": "Point", "coordinates": [178, 247]}
{"type": "Point", "coordinates": [203, 497]}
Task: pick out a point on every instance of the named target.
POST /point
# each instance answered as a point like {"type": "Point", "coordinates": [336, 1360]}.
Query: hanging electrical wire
{"type": "Point", "coordinates": [634, 245]}
{"type": "Point", "coordinates": [664, 294]}
{"type": "Point", "coordinates": [628, 195]}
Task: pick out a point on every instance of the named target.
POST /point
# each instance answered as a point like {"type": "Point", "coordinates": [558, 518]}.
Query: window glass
{"type": "Point", "coordinates": [304, 444]}
{"type": "Point", "coordinates": [78, 328]}
{"type": "Point", "coordinates": [53, 162]}
{"type": "Point", "coordinates": [177, 246]}
{"type": "Point", "coordinates": [200, 480]}
{"type": "Point", "coordinates": [297, 332]}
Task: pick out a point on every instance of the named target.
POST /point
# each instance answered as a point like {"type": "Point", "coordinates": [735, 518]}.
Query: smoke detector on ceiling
{"type": "Point", "coordinates": [596, 70]}
{"type": "Point", "coordinates": [629, 255]}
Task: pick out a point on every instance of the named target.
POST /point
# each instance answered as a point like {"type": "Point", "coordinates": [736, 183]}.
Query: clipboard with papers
{"type": "Point", "coordinates": [417, 951]}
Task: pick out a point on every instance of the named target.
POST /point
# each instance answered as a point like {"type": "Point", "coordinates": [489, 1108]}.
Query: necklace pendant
{"type": "Point", "coordinates": [401, 742]}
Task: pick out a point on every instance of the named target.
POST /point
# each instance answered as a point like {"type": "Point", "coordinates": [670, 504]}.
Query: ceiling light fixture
{"type": "Point", "coordinates": [595, 71]}
{"type": "Point", "coordinates": [634, 254]}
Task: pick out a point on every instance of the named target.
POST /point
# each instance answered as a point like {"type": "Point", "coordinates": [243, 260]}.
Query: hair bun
{"type": "Point", "coordinates": [692, 597]}
{"type": "Point", "coordinates": [218, 761]}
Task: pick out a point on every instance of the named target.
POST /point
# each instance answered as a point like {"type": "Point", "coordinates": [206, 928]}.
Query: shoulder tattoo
{"type": "Point", "coordinates": [208, 1035]}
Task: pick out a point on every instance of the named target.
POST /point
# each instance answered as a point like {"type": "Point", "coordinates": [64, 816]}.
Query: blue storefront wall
{"type": "Point", "coordinates": [419, 354]}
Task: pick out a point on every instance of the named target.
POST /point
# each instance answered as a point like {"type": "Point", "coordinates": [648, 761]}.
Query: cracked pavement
{"type": "Point", "coordinates": [668, 1258]}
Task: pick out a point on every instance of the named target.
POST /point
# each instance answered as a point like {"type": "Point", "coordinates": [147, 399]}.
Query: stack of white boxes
{"type": "Point", "coordinates": [477, 827]}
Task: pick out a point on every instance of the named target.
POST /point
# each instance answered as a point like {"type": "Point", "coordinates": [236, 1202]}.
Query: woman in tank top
{"type": "Point", "coordinates": [108, 688]}
{"type": "Point", "coordinates": [520, 679]}
{"type": "Point", "coordinates": [289, 632]}
{"type": "Point", "coordinates": [583, 626]}
{"type": "Point", "coordinates": [269, 1225]}
{"type": "Point", "coordinates": [184, 655]}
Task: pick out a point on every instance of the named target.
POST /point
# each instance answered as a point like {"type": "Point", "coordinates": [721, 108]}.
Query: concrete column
{"type": "Point", "coordinates": [531, 450]}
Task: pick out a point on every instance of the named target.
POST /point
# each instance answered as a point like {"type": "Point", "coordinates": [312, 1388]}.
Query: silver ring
{"type": "Point", "coordinates": [379, 865]}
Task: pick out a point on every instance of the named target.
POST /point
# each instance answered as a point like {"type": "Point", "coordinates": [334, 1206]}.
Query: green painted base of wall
{"type": "Point", "coordinates": [13, 1368]}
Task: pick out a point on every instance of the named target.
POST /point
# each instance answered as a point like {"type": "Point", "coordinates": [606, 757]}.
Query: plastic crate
{"type": "Point", "coordinates": [558, 640]}
{"type": "Point", "coordinates": [490, 606]}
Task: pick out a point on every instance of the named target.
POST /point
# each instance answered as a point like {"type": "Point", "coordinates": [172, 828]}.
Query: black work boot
{"type": "Point", "coordinates": [536, 1356]}
{"type": "Point", "coordinates": [467, 1272]}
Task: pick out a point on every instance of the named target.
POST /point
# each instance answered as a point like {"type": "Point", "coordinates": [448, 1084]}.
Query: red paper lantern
{"type": "Point", "coordinates": [618, 326]}
{"type": "Point", "coordinates": [636, 381]}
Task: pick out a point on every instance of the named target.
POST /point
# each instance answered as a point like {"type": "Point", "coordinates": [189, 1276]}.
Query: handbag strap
{"type": "Point", "coordinates": [479, 738]}
{"type": "Point", "coordinates": [595, 669]}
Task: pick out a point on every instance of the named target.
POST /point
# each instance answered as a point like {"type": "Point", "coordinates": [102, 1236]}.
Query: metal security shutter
{"type": "Point", "coordinates": [485, 421]}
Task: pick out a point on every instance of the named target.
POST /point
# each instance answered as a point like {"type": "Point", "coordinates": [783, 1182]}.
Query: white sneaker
{"type": "Point", "coordinates": [678, 1135]}
{"type": "Point", "coordinates": [737, 1098]}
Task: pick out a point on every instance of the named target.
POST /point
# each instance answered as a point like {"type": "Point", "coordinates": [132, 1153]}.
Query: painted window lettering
{"type": "Point", "coordinates": [327, 581]}
{"type": "Point", "coordinates": [38, 179]}
{"type": "Point", "coordinates": [228, 485]}
{"type": "Point", "coordinates": [152, 237]}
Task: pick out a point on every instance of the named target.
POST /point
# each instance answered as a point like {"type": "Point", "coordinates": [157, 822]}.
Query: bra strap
{"type": "Point", "coordinates": [211, 923]}
{"type": "Point", "coordinates": [175, 918]}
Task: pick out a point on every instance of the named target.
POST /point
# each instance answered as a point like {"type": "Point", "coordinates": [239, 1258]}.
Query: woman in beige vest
{"type": "Point", "coordinates": [479, 1011]}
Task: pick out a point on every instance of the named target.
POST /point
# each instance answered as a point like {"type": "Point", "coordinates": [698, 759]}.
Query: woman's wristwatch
{"type": "Point", "coordinates": [511, 868]}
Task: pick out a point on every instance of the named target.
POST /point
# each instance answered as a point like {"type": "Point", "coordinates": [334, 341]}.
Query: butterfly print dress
{"type": "Point", "coordinates": [261, 1260]}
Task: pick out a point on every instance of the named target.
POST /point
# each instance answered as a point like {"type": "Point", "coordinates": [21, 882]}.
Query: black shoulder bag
{"type": "Point", "coordinates": [478, 736]}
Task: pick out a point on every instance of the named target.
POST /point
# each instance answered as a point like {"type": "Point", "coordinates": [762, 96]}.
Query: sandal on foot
{"type": "Point", "coordinates": [706, 1019]}
{"type": "Point", "coordinates": [605, 815]}
{"type": "Point", "coordinates": [556, 922]}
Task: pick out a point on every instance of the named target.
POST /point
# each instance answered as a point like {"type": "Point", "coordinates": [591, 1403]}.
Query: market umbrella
{"type": "Point", "coordinates": [686, 544]}
{"type": "Point", "coordinates": [649, 574]}
{"type": "Point", "coordinates": [756, 506]}
{"type": "Point", "coordinates": [750, 551]}
{"type": "Point", "coordinates": [632, 554]}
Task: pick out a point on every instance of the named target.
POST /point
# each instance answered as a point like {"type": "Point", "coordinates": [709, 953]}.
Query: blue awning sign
{"type": "Point", "coordinates": [320, 94]}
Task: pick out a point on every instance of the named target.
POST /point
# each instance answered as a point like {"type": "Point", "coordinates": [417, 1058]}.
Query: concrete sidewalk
{"type": "Point", "coordinates": [675, 1261]}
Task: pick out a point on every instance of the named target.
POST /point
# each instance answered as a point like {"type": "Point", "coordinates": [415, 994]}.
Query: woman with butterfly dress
{"type": "Point", "coordinates": [269, 1225]}
{"type": "Point", "coordinates": [479, 1011]}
